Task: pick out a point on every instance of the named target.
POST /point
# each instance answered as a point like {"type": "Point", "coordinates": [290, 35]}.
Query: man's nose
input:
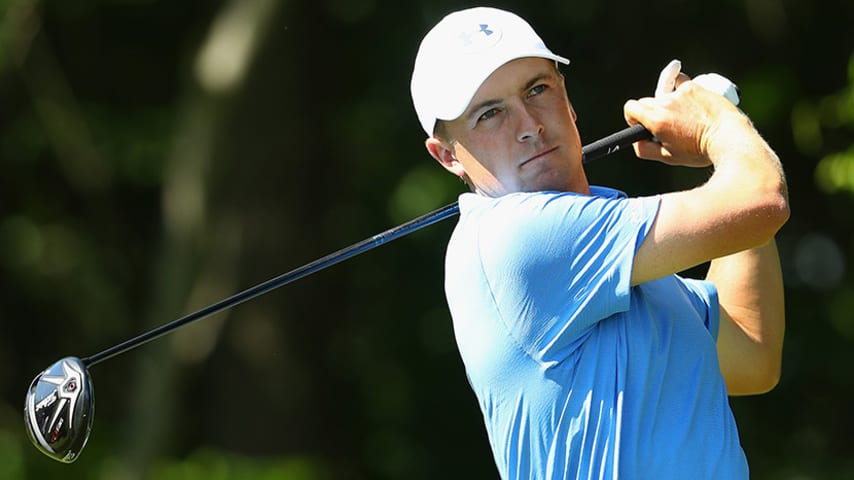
{"type": "Point", "coordinates": [530, 125]}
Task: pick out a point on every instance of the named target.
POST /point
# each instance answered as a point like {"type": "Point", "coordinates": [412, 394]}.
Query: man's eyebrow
{"type": "Point", "coordinates": [539, 78]}
{"type": "Point", "coordinates": [495, 101]}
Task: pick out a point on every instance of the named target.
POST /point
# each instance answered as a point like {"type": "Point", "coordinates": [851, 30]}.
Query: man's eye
{"type": "Point", "coordinates": [488, 114]}
{"type": "Point", "coordinates": [537, 90]}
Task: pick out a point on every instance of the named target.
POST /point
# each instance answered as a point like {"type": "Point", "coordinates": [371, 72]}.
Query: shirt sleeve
{"type": "Point", "coordinates": [704, 297]}
{"type": "Point", "coordinates": [559, 263]}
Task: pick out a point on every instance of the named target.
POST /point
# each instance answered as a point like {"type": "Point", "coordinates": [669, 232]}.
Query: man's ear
{"type": "Point", "coordinates": [444, 154]}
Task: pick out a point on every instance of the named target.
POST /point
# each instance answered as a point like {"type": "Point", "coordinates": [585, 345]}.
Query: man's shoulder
{"type": "Point", "coordinates": [518, 209]}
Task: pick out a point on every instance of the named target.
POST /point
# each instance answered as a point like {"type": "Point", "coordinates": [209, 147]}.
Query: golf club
{"type": "Point", "coordinates": [59, 405]}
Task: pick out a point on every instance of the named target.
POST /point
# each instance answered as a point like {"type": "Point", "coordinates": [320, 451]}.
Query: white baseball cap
{"type": "Point", "coordinates": [460, 52]}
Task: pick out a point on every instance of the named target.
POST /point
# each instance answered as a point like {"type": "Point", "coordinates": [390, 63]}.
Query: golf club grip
{"type": "Point", "coordinates": [597, 149]}
{"type": "Point", "coordinates": [614, 142]}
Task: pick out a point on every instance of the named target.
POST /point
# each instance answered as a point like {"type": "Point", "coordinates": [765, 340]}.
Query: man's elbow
{"type": "Point", "coordinates": [769, 215]}
{"type": "Point", "coordinates": [778, 208]}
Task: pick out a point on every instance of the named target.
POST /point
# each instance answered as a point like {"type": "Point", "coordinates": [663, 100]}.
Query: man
{"type": "Point", "coordinates": [589, 357]}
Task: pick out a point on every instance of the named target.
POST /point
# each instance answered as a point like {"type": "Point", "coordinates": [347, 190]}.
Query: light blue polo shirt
{"type": "Point", "coordinates": [578, 374]}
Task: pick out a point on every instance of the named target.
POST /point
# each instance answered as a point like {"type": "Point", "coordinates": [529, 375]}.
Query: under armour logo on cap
{"type": "Point", "coordinates": [482, 35]}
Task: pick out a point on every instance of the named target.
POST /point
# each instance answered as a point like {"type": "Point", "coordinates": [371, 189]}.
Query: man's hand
{"type": "Point", "coordinates": [670, 77]}
{"type": "Point", "coordinates": [683, 117]}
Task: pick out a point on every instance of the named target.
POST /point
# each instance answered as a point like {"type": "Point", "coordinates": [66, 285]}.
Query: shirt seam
{"type": "Point", "coordinates": [509, 331]}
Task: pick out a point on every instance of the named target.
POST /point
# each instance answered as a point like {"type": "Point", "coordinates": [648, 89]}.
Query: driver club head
{"type": "Point", "coordinates": [59, 408]}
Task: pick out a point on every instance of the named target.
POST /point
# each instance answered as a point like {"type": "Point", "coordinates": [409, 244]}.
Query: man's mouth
{"type": "Point", "coordinates": [539, 156]}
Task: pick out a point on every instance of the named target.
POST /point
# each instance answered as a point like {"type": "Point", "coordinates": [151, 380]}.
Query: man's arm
{"type": "Point", "coordinates": [740, 207]}
{"type": "Point", "coordinates": [750, 289]}
{"type": "Point", "coordinates": [731, 219]}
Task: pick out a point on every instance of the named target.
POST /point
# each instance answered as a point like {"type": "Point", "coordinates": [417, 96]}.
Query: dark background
{"type": "Point", "coordinates": [160, 155]}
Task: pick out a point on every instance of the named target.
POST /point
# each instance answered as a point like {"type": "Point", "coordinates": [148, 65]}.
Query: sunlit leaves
{"type": "Point", "coordinates": [812, 123]}
{"type": "Point", "coordinates": [835, 172]}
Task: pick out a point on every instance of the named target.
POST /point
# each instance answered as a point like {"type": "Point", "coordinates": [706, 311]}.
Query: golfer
{"type": "Point", "coordinates": [589, 356]}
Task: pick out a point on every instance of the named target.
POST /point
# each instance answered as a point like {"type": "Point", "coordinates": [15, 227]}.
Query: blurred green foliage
{"type": "Point", "coordinates": [835, 171]}
{"type": "Point", "coordinates": [159, 155]}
